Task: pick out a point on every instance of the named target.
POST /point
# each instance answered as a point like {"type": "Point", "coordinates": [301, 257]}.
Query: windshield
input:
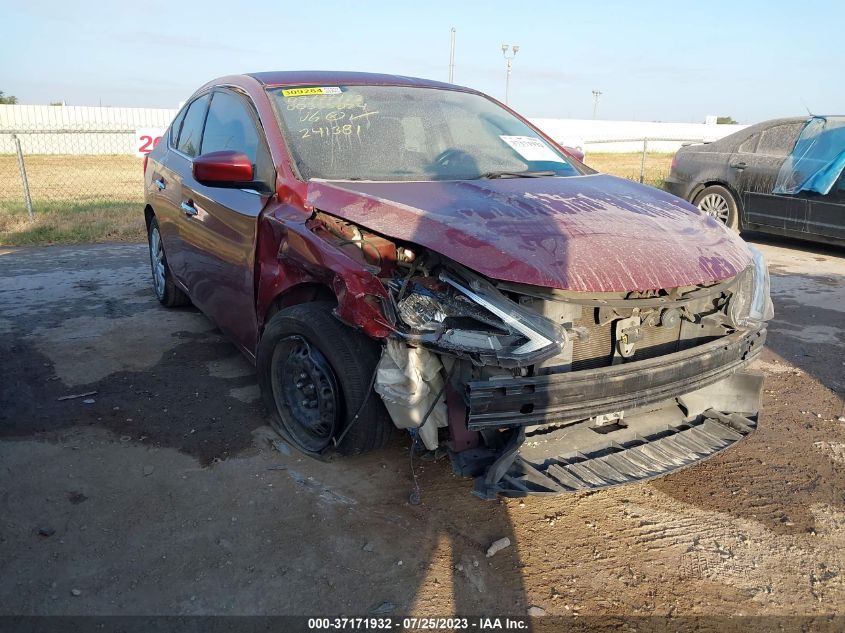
{"type": "Point", "coordinates": [406, 133]}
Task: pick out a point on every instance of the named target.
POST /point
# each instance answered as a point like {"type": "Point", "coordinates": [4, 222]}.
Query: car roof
{"type": "Point", "coordinates": [734, 139]}
{"type": "Point", "coordinates": [781, 121]}
{"type": "Point", "coordinates": [343, 78]}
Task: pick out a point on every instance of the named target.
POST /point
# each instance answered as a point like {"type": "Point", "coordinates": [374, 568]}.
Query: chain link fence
{"type": "Point", "coordinates": [53, 178]}
{"type": "Point", "coordinates": [68, 166]}
{"type": "Point", "coordinates": [648, 159]}
{"type": "Point", "coordinates": [84, 183]}
{"type": "Point", "coordinates": [43, 168]}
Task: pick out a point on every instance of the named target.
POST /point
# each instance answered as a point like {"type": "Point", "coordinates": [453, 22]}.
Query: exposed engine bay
{"type": "Point", "coordinates": [535, 390]}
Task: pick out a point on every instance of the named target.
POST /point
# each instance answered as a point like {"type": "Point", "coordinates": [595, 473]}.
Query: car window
{"type": "Point", "coordinates": [837, 190]}
{"type": "Point", "coordinates": [779, 139]}
{"type": "Point", "coordinates": [189, 136]}
{"type": "Point", "coordinates": [748, 145]}
{"type": "Point", "coordinates": [174, 127]}
{"type": "Point", "coordinates": [405, 133]}
{"type": "Point", "coordinates": [230, 127]}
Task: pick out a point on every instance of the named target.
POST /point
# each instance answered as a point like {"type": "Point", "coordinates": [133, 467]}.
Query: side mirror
{"type": "Point", "coordinates": [226, 168]}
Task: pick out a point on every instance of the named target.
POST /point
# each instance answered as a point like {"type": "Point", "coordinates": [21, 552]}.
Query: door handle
{"type": "Point", "coordinates": [160, 184]}
{"type": "Point", "coordinates": [189, 208]}
{"type": "Point", "coordinates": [740, 165]}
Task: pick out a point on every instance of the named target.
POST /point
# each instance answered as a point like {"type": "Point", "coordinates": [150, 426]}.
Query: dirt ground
{"type": "Point", "coordinates": [162, 493]}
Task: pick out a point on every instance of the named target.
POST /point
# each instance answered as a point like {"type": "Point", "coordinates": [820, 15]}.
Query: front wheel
{"type": "Point", "coordinates": [719, 203]}
{"type": "Point", "coordinates": [315, 375]}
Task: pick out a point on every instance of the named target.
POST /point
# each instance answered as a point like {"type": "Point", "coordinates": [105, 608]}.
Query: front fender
{"type": "Point", "coordinates": [291, 256]}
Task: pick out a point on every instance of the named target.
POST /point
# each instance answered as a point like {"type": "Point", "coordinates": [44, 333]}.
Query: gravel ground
{"type": "Point", "coordinates": [162, 492]}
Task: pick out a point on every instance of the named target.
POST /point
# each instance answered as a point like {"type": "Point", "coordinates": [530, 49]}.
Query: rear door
{"type": "Point", "coordinates": [183, 147]}
{"type": "Point", "coordinates": [220, 224]}
{"type": "Point", "coordinates": [158, 175]}
{"type": "Point", "coordinates": [759, 171]}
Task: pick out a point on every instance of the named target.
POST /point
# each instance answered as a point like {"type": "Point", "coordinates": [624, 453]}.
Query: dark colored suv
{"type": "Point", "coordinates": [782, 176]}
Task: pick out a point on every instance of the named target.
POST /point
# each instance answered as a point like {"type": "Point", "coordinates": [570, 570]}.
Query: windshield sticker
{"type": "Point", "coordinates": [337, 101]}
{"type": "Point", "coordinates": [532, 148]}
{"type": "Point", "coordinates": [306, 92]}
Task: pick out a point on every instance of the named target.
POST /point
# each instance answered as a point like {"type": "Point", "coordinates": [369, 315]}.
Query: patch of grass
{"type": "Point", "coordinates": [82, 178]}
{"type": "Point", "coordinates": [72, 223]}
{"type": "Point", "coordinates": [628, 166]}
{"type": "Point", "coordinates": [76, 200]}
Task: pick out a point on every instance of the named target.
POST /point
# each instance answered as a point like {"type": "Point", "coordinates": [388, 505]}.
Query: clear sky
{"type": "Point", "coordinates": [669, 61]}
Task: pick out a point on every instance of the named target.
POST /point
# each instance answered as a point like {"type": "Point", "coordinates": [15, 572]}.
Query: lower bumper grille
{"type": "Point", "coordinates": [641, 459]}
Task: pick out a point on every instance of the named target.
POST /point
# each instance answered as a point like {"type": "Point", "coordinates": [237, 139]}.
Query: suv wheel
{"type": "Point", "coordinates": [719, 203]}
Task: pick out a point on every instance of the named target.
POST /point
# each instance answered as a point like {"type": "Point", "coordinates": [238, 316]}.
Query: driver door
{"type": "Point", "coordinates": [220, 225]}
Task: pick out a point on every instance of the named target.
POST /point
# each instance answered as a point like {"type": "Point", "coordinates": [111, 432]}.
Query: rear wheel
{"type": "Point", "coordinates": [719, 203]}
{"type": "Point", "coordinates": [166, 291]}
{"type": "Point", "coordinates": [315, 375]}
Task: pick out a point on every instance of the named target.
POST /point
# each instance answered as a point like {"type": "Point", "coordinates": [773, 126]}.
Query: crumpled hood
{"type": "Point", "coordinates": [592, 233]}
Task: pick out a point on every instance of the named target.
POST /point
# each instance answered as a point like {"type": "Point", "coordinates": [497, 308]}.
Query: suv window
{"type": "Point", "coordinates": [229, 126]}
{"type": "Point", "coordinates": [748, 145]}
{"type": "Point", "coordinates": [189, 136]}
{"type": "Point", "coordinates": [838, 189]}
{"type": "Point", "coordinates": [778, 140]}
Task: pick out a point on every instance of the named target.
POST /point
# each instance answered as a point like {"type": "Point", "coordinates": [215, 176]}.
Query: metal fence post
{"type": "Point", "coordinates": [642, 161]}
{"type": "Point", "coordinates": [24, 181]}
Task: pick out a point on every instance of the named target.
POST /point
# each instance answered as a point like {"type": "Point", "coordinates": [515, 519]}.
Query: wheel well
{"type": "Point", "coordinates": [149, 214]}
{"type": "Point", "coordinates": [740, 209]}
{"type": "Point", "coordinates": [720, 183]}
{"type": "Point", "coordinates": [302, 293]}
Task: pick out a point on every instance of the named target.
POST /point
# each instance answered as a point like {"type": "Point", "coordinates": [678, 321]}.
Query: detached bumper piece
{"type": "Point", "coordinates": [613, 463]}
{"type": "Point", "coordinates": [647, 442]}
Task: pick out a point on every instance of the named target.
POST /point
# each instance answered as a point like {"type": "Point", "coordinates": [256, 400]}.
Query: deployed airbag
{"type": "Point", "coordinates": [409, 382]}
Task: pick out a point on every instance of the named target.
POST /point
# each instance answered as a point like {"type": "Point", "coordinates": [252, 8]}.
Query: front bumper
{"type": "Point", "coordinates": [497, 403]}
{"type": "Point", "coordinates": [679, 409]}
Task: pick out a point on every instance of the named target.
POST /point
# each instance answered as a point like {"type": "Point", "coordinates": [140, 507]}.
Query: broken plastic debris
{"type": "Point", "coordinates": [77, 395]}
{"type": "Point", "coordinates": [280, 446]}
{"type": "Point", "coordinates": [499, 545]}
{"type": "Point", "coordinates": [384, 607]}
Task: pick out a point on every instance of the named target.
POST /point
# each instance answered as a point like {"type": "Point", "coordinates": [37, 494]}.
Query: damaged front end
{"type": "Point", "coordinates": [540, 391]}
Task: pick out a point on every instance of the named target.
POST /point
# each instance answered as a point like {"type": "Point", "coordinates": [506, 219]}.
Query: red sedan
{"type": "Point", "coordinates": [396, 252]}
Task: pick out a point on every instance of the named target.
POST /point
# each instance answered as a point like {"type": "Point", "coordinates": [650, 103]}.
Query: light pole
{"type": "Point", "coordinates": [515, 49]}
{"type": "Point", "coordinates": [596, 95]}
{"type": "Point", "coordinates": [452, 58]}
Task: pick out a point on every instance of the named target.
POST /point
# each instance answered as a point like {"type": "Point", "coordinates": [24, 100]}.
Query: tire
{"type": "Point", "coordinates": [719, 203]}
{"type": "Point", "coordinates": [315, 374]}
{"type": "Point", "coordinates": [165, 290]}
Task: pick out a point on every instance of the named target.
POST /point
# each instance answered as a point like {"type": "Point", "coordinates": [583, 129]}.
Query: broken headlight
{"type": "Point", "coordinates": [751, 302]}
{"type": "Point", "coordinates": [467, 316]}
